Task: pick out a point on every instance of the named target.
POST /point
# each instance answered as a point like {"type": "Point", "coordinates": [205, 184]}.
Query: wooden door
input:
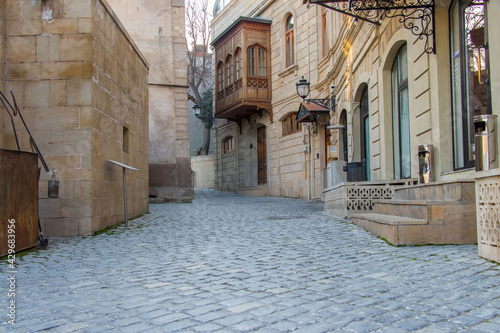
{"type": "Point", "coordinates": [262, 155]}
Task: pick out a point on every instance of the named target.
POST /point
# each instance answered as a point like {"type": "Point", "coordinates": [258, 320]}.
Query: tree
{"type": "Point", "coordinates": [200, 78]}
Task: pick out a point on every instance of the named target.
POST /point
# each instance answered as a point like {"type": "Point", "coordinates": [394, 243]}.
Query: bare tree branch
{"type": "Point", "coordinates": [199, 58]}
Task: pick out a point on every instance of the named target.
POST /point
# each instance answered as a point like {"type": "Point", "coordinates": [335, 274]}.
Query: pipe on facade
{"type": "Point", "coordinates": [262, 9]}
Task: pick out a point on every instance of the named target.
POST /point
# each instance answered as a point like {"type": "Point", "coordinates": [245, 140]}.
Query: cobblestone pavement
{"type": "Point", "coordinates": [230, 263]}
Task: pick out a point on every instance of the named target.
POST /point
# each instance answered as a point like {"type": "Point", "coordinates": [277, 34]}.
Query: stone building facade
{"type": "Point", "coordinates": [81, 85]}
{"type": "Point", "coordinates": [158, 29]}
{"type": "Point", "coordinates": [88, 94]}
{"type": "Point", "coordinates": [268, 158]}
{"type": "Point", "coordinates": [392, 91]}
{"type": "Point", "coordinates": [356, 57]}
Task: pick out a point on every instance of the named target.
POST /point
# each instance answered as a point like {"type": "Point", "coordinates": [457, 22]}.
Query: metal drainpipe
{"type": "Point", "coordinates": [310, 173]}
{"type": "Point", "coordinates": [237, 152]}
{"type": "Point", "coordinates": [260, 11]}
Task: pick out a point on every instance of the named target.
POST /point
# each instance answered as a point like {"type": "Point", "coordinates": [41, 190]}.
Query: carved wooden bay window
{"type": "Point", "coordinates": [242, 53]}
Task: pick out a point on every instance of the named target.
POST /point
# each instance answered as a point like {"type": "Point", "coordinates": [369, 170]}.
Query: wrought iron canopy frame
{"type": "Point", "coordinates": [306, 115]}
{"type": "Point", "coordinates": [416, 15]}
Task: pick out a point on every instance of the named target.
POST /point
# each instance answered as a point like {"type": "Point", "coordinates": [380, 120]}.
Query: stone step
{"type": "Point", "coordinates": [255, 191]}
{"type": "Point", "coordinates": [399, 230]}
{"type": "Point", "coordinates": [462, 191]}
{"type": "Point", "coordinates": [388, 219]}
{"type": "Point", "coordinates": [418, 209]}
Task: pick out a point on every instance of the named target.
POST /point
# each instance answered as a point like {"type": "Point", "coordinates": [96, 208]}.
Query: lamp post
{"type": "Point", "coordinates": [196, 110]}
{"type": "Point", "coordinates": [204, 118]}
{"type": "Point", "coordinates": [303, 87]}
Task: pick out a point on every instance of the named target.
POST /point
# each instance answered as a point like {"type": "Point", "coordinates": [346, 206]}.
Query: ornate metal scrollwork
{"type": "Point", "coordinates": [324, 102]}
{"type": "Point", "coordinates": [416, 15]}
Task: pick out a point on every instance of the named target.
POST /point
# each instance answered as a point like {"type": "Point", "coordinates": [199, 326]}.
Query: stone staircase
{"type": "Point", "coordinates": [435, 213]}
{"type": "Point", "coordinates": [255, 191]}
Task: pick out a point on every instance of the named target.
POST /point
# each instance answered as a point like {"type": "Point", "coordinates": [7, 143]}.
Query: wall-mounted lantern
{"type": "Point", "coordinates": [303, 87]}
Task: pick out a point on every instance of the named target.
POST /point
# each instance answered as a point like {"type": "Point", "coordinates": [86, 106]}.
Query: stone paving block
{"type": "Point", "coordinates": [49, 325]}
{"type": "Point", "coordinates": [466, 320]}
{"type": "Point", "coordinates": [139, 327]}
{"type": "Point", "coordinates": [304, 319]}
{"type": "Point", "coordinates": [411, 324]}
{"type": "Point", "coordinates": [343, 319]}
{"type": "Point", "coordinates": [236, 301]}
{"type": "Point", "coordinates": [211, 316]}
{"type": "Point", "coordinates": [155, 314]}
{"type": "Point", "coordinates": [179, 325]}
{"type": "Point", "coordinates": [234, 319]}
{"type": "Point", "coordinates": [285, 326]}
{"type": "Point", "coordinates": [98, 329]}
{"type": "Point", "coordinates": [444, 312]}
{"type": "Point", "coordinates": [210, 327]}
{"type": "Point", "coordinates": [248, 325]}
{"type": "Point", "coordinates": [393, 330]}
{"type": "Point", "coordinates": [292, 312]}
{"type": "Point", "coordinates": [362, 326]}
{"type": "Point", "coordinates": [73, 327]}
{"type": "Point", "coordinates": [163, 320]}
{"type": "Point", "coordinates": [245, 307]}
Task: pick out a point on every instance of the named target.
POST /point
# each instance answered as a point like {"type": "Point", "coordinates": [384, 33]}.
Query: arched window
{"type": "Point", "coordinates": [228, 144]}
{"type": "Point", "coordinates": [290, 124]}
{"type": "Point", "coordinates": [289, 41]}
{"type": "Point", "coordinates": [324, 33]}
{"type": "Point", "coordinates": [237, 64]}
{"type": "Point", "coordinates": [401, 115]}
{"type": "Point", "coordinates": [220, 77]}
{"type": "Point", "coordinates": [256, 61]}
{"type": "Point", "coordinates": [229, 71]}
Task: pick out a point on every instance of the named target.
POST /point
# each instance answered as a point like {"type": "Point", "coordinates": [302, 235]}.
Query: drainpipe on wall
{"type": "Point", "coordinates": [237, 152]}
{"type": "Point", "coordinates": [310, 165]}
{"type": "Point", "coordinates": [262, 9]}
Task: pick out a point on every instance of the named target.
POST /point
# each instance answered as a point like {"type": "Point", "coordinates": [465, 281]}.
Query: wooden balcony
{"type": "Point", "coordinates": [243, 71]}
{"type": "Point", "coordinates": [244, 98]}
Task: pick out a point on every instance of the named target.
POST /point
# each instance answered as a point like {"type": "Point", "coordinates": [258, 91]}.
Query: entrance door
{"type": "Point", "coordinates": [365, 133]}
{"type": "Point", "coordinates": [262, 155]}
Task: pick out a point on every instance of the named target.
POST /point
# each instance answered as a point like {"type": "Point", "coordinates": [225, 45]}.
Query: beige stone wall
{"type": "Point", "coordinates": [79, 81]}
{"type": "Point", "coordinates": [120, 120]}
{"type": "Point", "coordinates": [158, 29]}
{"type": "Point", "coordinates": [204, 171]}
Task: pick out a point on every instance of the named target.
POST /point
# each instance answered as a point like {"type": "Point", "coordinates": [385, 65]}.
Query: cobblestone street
{"type": "Point", "coordinates": [231, 263]}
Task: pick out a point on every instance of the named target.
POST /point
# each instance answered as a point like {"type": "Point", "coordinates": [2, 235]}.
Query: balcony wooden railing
{"type": "Point", "coordinates": [257, 91]}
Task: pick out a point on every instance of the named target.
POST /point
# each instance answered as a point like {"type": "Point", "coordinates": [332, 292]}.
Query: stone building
{"type": "Point", "coordinates": [262, 148]}
{"type": "Point", "coordinates": [81, 85]}
{"type": "Point", "coordinates": [90, 94]}
{"type": "Point", "coordinates": [158, 29]}
{"type": "Point", "coordinates": [382, 91]}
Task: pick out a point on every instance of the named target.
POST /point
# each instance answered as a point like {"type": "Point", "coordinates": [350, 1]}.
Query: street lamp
{"type": "Point", "coordinates": [303, 88]}
{"type": "Point", "coordinates": [196, 110]}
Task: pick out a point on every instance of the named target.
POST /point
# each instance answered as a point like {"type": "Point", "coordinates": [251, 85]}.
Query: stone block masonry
{"type": "Point", "coordinates": [158, 29]}
{"type": "Point", "coordinates": [82, 85]}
